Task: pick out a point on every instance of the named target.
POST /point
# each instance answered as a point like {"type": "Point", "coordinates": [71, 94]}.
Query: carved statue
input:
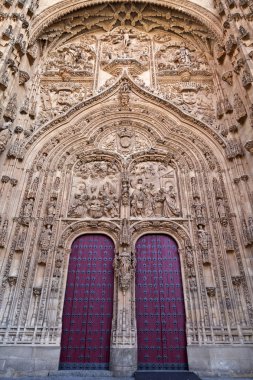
{"type": "Point", "coordinates": [189, 259]}
{"type": "Point", "coordinates": [78, 207]}
{"type": "Point", "coordinates": [195, 191]}
{"type": "Point", "coordinates": [185, 57]}
{"type": "Point", "coordinates": [51, 208]}
{"type": "Point", "coordinates": [138, 198]}
{"type": "Point", "coordinates": [217, 189]}
{"type": "Point", "coordinates": [41, 160]}
{"type": "Point", "coordinates": [124, 267]}
{"type": "Point", "coordinates": [21, 241]}
{"type": "Point", "coordinates": [125, 233]}
{"type": "Point", "coordinates": [110, 205]}
{"type": "Point", "coordinates": [5, 136]}
{"type": "Point", "coordinates": [159, 202]}
{"type": "Point", "coordinates": [94, 206]}
{"type": "Point", "coordinates": [150, 193]}
{"type": "Point", "coordinates": [3, 233]}
{"type": "Point", "coordinates": [203, 237]}
{"type": "Point", "coordinates": [221, 208]}
{"type": "Point", "coordinates": [229, 244]}
{"type": "Point", "coordinates": [198, 209]}
{"type": "Point", "coordinates": [172, 202]}
{"type": "Point", "coordinates": [28, 208]}
{"type": "Point", "coordinates": [45, 237]}
{"type": "Point", "coordinates": [34, 187]}
{"type": "Point", "coordinates": [125, 190]}
{"type": "Point", "coordinates": [250, 229]}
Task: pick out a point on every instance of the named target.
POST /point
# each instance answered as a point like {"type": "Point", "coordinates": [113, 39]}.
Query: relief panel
{"type": "Point", "coordinates": [78, 58]}
{"type": "Point", "coordinates": [95, 190]}
{"type": "Point", "coordinates": [125, 140]}
{"type": "Point", "coordinates": [153, 191]}
{"type": "Point", "coordinates": [125, 48]}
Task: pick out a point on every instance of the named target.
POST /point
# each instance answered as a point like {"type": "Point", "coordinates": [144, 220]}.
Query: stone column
{"type": "Point", "coordinates": [123, 357]}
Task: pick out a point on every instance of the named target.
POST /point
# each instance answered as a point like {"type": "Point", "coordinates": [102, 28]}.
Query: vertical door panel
{"type": "Point", "coordinates": [87, 313]}
{"type": "Point", "coordinates": [159, 304]}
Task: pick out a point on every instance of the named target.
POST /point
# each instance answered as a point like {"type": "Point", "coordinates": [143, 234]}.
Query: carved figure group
{"type": "Point", "coordinates": [196, 102]}
{"type": "Point", "coordinates": [3, 233]}
{"type": "Point", "coordinates": [124, 45]}
{"type": "Point", "coordinates": [148, 201]}
{"type": "Point", "coordinates": [97, 203]}
{"type": "Point", "coordinates": [172, 58]}
{"type": "Point", "coordinates": [75, 57]}
{"type": "Point", "coordinates": [55, 101]}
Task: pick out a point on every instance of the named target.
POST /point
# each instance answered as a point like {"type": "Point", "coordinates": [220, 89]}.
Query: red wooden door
{"type": "Point", "coordinates": [160, 308]}
{"type": "Point", "coordinates": [87, 313]}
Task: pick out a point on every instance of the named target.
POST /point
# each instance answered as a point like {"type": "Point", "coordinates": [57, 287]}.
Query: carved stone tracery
{"type": "Point", "coordinates": [130, 124]}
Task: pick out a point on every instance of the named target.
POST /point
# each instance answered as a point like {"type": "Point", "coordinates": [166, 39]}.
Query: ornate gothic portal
{"type": "Point", "coordinates": [87, 311]}
{"type": "Point", "coordinates": [160, 312]}
{"type": "Point", "coordinates": [124, 119]}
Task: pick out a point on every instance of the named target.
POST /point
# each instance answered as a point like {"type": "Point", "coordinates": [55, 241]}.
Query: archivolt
{"type": "Point", "coordinates": [59, 129]}
{"type": "Point", "coordinates": [53, 13]}
{"type": "Point", "coordinates": [80, 228]}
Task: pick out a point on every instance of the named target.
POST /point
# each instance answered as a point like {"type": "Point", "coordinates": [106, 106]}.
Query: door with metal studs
{"type": "Point", "coordinates": [88, 306]}
{"type": "Point", "coordinates": [160, 310]}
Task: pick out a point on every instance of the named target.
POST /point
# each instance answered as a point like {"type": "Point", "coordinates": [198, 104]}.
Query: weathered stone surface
{"type": "Point", "coordinates": [230, 361]}
{"type": "Point", "coordinates": [123, 361]}
{"type": "Point", "coordinates": [24, 359]}
{"type": "Point", "coordinates": [126, 118]}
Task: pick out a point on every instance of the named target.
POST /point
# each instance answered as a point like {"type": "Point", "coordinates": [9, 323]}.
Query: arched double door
{"type": "Point", "coordinates": [88, 306]}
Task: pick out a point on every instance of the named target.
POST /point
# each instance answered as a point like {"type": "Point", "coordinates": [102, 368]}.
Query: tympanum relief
{"type": "Point", "coordinates": [163, 62]}
{"type": "Point", "coordinates": [77, 58]}
{"type": "Point", "coordinates": [174, 56]}
{"type": "Point", "coordinates": [98, 191]}
{"type": "Point", "coordinates": [125, 48]}
{"type": "Point", "coordinates": [95, 193]}
{"type": "Point", "coordinates": [126, 139]}
{"type": "Point", "coordinates": [153, 191]}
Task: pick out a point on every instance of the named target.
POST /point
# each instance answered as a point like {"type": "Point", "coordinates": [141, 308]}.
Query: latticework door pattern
{"type": "Point", "coordinates": [87, 314]}
{"type": "Point", "coordinates": [159, 304]}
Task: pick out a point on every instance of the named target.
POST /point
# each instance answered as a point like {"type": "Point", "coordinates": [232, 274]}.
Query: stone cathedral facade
{"type": "Point", "coordinates": [126, 120]}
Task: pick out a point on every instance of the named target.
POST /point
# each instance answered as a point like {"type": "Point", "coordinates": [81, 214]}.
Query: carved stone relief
{"type": "Point", "coordinates": [125, 139]}
{"type": "Point", "coordinates": [193, 98]}
{"type": "Point", "coordinates": [151, 109]}
{"type": "Point", "coordinates": [75, 58]}
{"type": "Point", "coordinates": [153, 190]}
{"type": "Point", "coordinates": [95, 191]}
{"type": "Point", "coordinates": [174, 57]}
{"type": "Point", "coordinates": [57, 98]}
{"type": "Point", "coordinates": [125, 48]}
